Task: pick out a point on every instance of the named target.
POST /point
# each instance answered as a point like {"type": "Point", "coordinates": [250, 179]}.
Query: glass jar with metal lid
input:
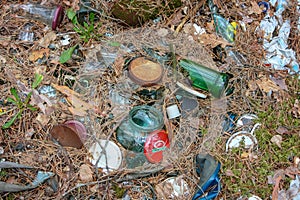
{"type": "Point", "coordinates": [134, 130]}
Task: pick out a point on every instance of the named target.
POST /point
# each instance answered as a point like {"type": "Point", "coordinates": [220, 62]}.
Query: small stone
{"type": "Point", "coordinates": [277, 139]}
{"type": "Point", "coordinates": [85, 173]}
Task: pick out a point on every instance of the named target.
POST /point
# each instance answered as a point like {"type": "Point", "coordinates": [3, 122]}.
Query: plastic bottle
{"type": "Point", "coordinates": [206, 78]}
{"type": "Point", "coordinates": [52, 16]}
{"type": "Point", "coordinates": [223, 27]}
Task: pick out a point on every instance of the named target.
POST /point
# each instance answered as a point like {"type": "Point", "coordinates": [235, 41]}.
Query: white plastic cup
{"type": "Point", "coordinates": [173, 111]}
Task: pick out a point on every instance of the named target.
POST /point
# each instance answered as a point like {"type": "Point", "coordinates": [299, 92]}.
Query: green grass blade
{"type": "Point", "coordinates": [38, 78]}
{"type": "Point", "coordinates": [10, 122]}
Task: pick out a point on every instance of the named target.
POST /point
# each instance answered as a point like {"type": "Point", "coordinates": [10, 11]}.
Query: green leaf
{"type": "Point", "coordinates": [10, 122]}
{"type": "Point", "coordinates": [75, 22]}
{"type": "Point", "coordinates": [71, 13]}
{"type": "Point", "coordinates": [77, 30]}
{"type": "Point", "coordinates": [92, 17]}
{"type": "Point", "coordinates": [38, 78]}
{"type": "Point", "coordinates": [14, 92]}
{"type": "Point", "coordinates": [28, 98]}
{"type": "Point", "coordinates": [91, 28]}
{"type": "Point", "coordinates": [85, 25]}
{"type": "Point", "coordinates": [11, 100]}
{"type": "Point", "coordinates": [67, 54]}
{"type": "Point", "coordinates": [114, 44]}
{"type": "Point", "coordinates": [31, 107]}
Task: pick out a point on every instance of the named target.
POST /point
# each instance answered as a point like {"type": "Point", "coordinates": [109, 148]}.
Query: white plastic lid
{"type": "Point", "coordinates": [173, 111]}
{"type": "Point", "coordinates": [111, 157]}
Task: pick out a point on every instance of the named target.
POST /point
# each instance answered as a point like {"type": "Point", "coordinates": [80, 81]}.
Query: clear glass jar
{"type": "Point", "coordinates": [134, 130]}
{"type": "Point", "coordinates": [51, 16]}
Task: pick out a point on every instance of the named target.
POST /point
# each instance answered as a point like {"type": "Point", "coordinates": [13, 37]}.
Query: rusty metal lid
{"type": "Point", "coordinates": [145, 72]}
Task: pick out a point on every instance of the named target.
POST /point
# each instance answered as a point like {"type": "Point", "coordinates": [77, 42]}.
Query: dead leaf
{"type": "Point", "coordinates": [280, 83]}
{"type": "Point", "coordinates": [277, 173]}
{"type": "Point", "coordinates": [291, 171]}
{"type": "Point", "coordinates": [245, 155]}
{"type": "Point", "coordinates": [252, 157]}
{"type": "Point", "coordinates": [255, 8]}
{"type": "Point", "coordinates": [78, 103]}
{"type": "Point", "coordinates": [276, 188]}
{"type": "Point", "coordinates": [40, 100]}
{"type": "Point", "coordinates": [29, 133]}
{"type": "Point", "coordinates": [73, 4]}
{"type": "Point", "coordinates": [296, 109]}
{"type": "Point", "coordinates": [77, 111]}
{"type": "Point", "coordinates": [85, 173]}
{"type": "Point", "coordinates": [266, 85]}
{"type": "Point", "coordinates": [296, 161]}
{"type": "Point", "coordinates": [229, 172]}
{"type": "Point", "coordinates": [79, 107]}
{"type": "Point", "coordinates": [38, 54]}
{"type": "Point", "coordinates": [43, 119]}
{"type": "Point", "coordinates": [94, 188]}
{"type": "Point", "coordinates": [22, 87]}
{"type": "Point", "coordinates": [212, 40]}
{"type": "Point", "coordinates": [2, 59]}
{"type": "Point", "coordinates": [11, 180]}
{"type": "Point", "coordinates": [188, 29]}
{"type": "Point", "coordinates": [37, 99]}
{"type": "Point", "coordinates": [47, 39]}
{"type": "Point", "coordinates": [252, 85]}
{"type": "Point", "coordinates": [277, 139]}
{"type": "Point", "coordinates": [118, 65]}
{"type": "Point", "coordinates": [65, 90]}
{"type": "Point", "coordinates": [282, 130]}
{"type": "Point", "coordinates": [210, 26]}
{"type": "Point", "coordinates": [176, 18]}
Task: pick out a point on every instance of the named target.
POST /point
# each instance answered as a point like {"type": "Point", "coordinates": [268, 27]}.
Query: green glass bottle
{"type": "Point", "coordinates": [206, 78]}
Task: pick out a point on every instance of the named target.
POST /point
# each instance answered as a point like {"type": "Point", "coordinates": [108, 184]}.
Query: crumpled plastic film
{"type": "Point", "coordinates": [278, 55]}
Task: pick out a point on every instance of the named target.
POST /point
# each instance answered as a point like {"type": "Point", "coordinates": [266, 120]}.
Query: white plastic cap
{"type": "Point", "coordinates": [173, 111]}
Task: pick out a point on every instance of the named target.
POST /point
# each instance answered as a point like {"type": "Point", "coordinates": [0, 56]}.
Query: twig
{"type": "Point", "coordinates": [85, 184]}
{"type": "Point", "coordinates": [188, 16]}
{"type": "Point", "coordinates": [3, 113]}
{"type": "Point", "coordinates": [126, 178]}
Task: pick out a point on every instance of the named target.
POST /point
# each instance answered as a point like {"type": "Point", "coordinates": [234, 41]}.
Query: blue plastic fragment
{"type": "Point", "coordinates": [207, 168]}
{"type": "Point", "coordinates": [265, 5]}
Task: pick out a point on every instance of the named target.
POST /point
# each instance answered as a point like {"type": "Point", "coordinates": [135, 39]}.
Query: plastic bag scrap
{"type": "Point", "coordinates": [207, 168]}
{"type": "Point", "coordinates": [278, 55]}
{"type": "Point", "coordinates": [293, 192]}
{"type": "Point", "coordinates": [7, 187]}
